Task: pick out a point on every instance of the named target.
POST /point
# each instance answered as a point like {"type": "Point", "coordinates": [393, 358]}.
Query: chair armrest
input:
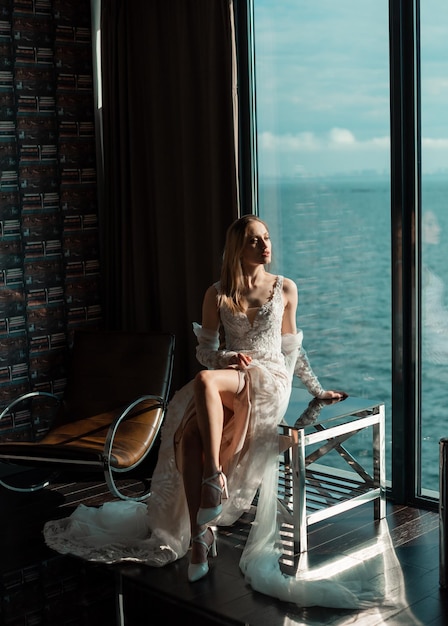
{"type": "Point", "coordinates": [161, 403]}
{"type": "Point", "coordinates": [23, 398]}
{"type": "Point", "coordinates": [27, 396]}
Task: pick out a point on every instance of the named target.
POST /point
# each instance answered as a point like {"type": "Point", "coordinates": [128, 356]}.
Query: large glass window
{"type": "Point", "coordinates": [323, 119]}
{"type": "Point", "coordinates": [434, 237]}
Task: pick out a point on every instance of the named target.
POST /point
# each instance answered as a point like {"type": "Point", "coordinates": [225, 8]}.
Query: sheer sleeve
{"type": "Point", "coordinates": [207, 350]}
{"type": "Point", "coordinates": [298, 363]}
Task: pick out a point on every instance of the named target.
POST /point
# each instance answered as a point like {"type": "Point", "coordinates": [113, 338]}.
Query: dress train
{"type": "Point", "coordinates": [157, 533]}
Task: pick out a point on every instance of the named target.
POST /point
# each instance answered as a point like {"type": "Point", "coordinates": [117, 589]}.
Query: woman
{"type": "Point", "coordinates": [256, 309]}
{"type": "Point", "coordinates": [224, 426]}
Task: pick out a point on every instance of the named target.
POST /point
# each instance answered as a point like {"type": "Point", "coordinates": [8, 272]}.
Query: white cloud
{"type": "Point", "coordinates": [438, 144]}
{"type": "Point", "coordinates": [342, 136]}
{"type": "Point", "coordinates": [338, 151]}
{"type": "Point", "coordinates": [335, 139]}
{"type": "Point", "coordinates": [288, 142]}
{"type": "Point", "coordinates": [323, 101]}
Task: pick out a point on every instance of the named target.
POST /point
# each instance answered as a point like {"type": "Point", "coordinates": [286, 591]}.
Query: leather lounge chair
{"type": "Point", "coordinates": [108, 419]}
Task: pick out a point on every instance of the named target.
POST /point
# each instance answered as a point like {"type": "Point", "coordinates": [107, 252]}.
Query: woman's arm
{"type": "Point", "coordinates": [207, 350]}
{"type": "Point", "coordinates": [301, 364]}
{"type": "Point", "coordinates": [291, 299]}
{"type": "Point", "coordinates": [210, 314]}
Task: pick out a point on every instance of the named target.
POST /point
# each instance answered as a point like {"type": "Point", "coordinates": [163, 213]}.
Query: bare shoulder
{"type": "Point", "coordinates": [211, 294]}
{"type": "Point", "coordinates": [289, 286]}
{"type": "Point", "coordinates": [212, 290]}
{"type": "Point", "coordinates": [210, 315]}
{"type": "Point", "coordinates": [290, 293]}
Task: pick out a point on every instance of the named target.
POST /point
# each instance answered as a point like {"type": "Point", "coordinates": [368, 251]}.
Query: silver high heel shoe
{"type": "Point", "coordinates": [205, 516]}
{"type": "Point", "coordinates": [196, 571]}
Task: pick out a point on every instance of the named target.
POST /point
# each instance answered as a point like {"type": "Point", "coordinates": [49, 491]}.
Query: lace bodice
{"type": "Point", "coordinates": [261, 337]}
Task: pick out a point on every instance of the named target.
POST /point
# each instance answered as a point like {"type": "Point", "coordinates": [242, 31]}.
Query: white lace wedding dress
{"type": "Point", "coordinates": [157, 532]}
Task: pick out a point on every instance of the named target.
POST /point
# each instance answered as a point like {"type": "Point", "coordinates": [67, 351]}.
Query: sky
{"type": "Point", "coordinates": [322, 87]}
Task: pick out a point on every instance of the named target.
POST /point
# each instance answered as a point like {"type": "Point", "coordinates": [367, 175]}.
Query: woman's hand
{"type": "Point", "coordinates": [241, 361]}
{"type": "Point", "coordinates": [333, 395]}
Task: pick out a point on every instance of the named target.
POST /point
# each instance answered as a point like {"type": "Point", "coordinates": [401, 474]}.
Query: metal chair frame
{"type": "Point", "coordinates": [105, 464]}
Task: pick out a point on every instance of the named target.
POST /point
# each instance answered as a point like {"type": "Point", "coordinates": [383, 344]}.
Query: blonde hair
{"type": "Point", "coordinates": [232, 278]}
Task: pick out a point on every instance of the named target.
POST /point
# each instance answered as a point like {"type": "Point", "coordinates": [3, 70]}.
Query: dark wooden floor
{"type": "Point", "coordinates": [39, 586]}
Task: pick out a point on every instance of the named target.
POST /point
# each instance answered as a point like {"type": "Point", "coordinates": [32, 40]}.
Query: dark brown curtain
{"type": "Point", "coordinates": [169, 162]}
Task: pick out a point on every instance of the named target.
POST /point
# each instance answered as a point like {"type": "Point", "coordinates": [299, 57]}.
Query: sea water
{"type": "Point", "coordinates": [333, 238]}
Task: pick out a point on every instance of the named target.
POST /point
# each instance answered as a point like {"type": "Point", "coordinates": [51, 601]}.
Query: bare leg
{"type": "Point", "coordinates": [214, 391]}
{"type": "Point", "coordinates": [201, 441]}
{"type": "Point", "coordinates": [192, 469]}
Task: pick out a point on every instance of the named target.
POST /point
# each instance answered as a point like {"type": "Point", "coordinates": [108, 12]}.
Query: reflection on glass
{"type": "Point", "coordinates": [434, 239]}
{"type": "Point", "coordinates": [434, 344]}
{"type": "Point", "coordinates": [313, 410]}
{"type": "Point", "coordinates": [435, 311]}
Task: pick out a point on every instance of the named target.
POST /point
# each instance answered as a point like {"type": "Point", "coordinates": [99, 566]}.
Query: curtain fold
{"type": "Point", "coordinates": [170, 187]}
